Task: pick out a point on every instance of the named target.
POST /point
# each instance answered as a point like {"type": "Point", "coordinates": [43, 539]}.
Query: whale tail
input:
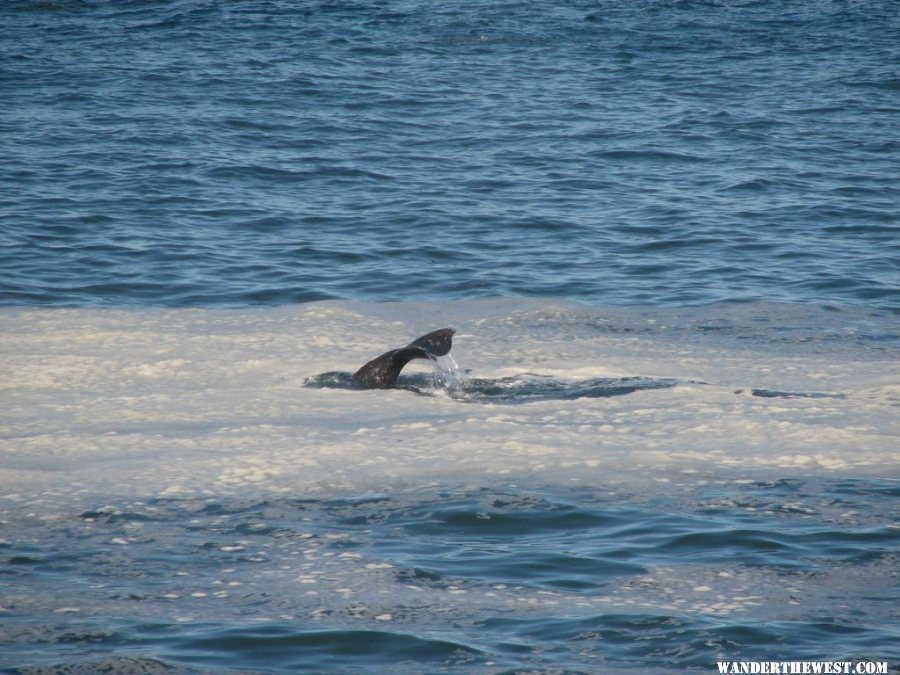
{"type": "Point", "coordinates": [383, 371]}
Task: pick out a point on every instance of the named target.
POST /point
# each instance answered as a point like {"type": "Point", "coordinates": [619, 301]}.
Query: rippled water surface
{"type": "Point", "coordinates": [650, 152]}
{"type": "Point", "coordinates": [591, 490]}
{"type": "Point", "coordinates": [492, 580]}
{"type": "Point", "coordinates": [626, 483]}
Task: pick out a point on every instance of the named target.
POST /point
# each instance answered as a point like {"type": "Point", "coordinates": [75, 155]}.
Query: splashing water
{"type": "Point", "coordinates": [447, 374]}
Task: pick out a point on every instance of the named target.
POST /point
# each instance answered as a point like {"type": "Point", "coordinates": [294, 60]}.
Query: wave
{"type": "Point", "coordinates": [454, 579]}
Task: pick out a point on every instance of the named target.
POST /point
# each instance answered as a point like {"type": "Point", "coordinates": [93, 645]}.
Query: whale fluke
{"type": "Point", "coordinates": [383, 371]}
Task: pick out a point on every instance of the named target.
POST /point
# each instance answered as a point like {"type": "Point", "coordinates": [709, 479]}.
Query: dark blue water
{"type": "Point", "coordinates": [643, 153]}
{"type": "Point", "coordinates": [488, 581]}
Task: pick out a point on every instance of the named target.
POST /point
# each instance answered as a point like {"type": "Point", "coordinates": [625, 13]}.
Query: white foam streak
{"type": "Point", "coordinates": [193, 402]}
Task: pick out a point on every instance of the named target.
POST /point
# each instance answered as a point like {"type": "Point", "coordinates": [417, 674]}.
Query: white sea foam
{"type": "Point", "coordinates": [192, 402]}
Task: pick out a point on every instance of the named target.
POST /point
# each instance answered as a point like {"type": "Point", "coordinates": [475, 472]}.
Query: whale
{"type": "Point", "coordinates": [383, 370]}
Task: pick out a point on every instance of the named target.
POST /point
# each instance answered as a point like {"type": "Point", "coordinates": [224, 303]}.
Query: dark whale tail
{"type": "Point", "coordinates": [383, 371]}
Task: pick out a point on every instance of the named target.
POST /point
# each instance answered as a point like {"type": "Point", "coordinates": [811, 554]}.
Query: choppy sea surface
{"type": "Point", "coordinates": [668, 236]}
{"type": "Point", "coordinates": [641, 153]}
{"type": "Point", "coordinates": [493, 580]}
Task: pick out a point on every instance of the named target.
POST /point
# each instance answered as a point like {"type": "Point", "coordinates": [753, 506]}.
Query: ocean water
{"type": "Point", "coordinates": [666, 232]}
{"type": "Point", "coordinates": [657, 152]}
{"type": "Point", "coordinates": [199, 490]}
